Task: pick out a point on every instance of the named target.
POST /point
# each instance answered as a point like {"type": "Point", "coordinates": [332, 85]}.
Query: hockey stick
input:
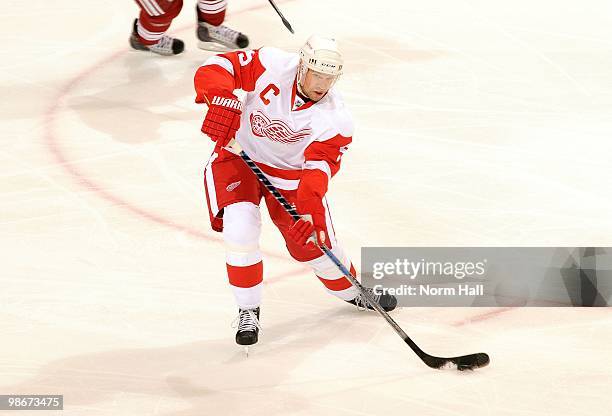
{"type": "Point", "coordinates": [285, 22]}
{"type": "Point", "coordinates": [464, 362]}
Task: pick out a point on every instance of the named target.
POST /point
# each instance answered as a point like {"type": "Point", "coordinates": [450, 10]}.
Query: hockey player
{"type": "Point", "coordinates": [148, 32]}
{"type": "Point", "coordinates": [296, 127]}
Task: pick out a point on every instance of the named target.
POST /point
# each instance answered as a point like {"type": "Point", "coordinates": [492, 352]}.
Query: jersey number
{"type": "Point", "coordinates": [270, 88]}
{"type": "Point", "coordinates": [245, 57]}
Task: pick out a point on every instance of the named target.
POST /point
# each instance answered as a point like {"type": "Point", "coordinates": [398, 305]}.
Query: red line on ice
{"type": "Point", "coordinates": [482, 316]}
{"type": "Point", "coordinates": [81, 179]}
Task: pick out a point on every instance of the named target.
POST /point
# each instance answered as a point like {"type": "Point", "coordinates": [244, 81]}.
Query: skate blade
{"type": "Point", "coordinates": [215, 47]}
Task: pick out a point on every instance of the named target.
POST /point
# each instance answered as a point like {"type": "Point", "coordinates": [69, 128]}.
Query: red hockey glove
{"type": "Point", "coordinates": [309, 202]}
{"type": "Point", "coordinates": [223, 119]}
{"type": "Point", "coordinates": [301, 231]}
{"type": "Point", "coordinates": [313, 208]}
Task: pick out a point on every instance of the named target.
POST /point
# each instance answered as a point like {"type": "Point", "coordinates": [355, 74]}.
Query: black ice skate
{"type": "Point", "coordinates": [248, 327]}
{"type": "Point", "coordinates": [166, 46]}
{"type": "Point", "coordinates": [387, 302]}
{"type": "Point", "coordinates": [219, 38]}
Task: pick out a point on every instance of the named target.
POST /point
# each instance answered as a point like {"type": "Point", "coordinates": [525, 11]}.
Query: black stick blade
{"type": "Point", "coordinates": [465, 362]}
{"type": "Point", "coordinates": [285, 22]}
{"type": "Point", "coordinates": [287, 25]}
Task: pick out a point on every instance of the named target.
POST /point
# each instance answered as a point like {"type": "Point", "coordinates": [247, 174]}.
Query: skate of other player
{"type": "Point", "coordinates": [156, 16]}
{"type": "Point", "coordinates": [296, 127]}
{"type": "Point", "coordinates": [212, 34]}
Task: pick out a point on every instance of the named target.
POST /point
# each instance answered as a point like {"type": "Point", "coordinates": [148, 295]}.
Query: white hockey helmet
{"type": "Point", "coordinates": [321, 54]}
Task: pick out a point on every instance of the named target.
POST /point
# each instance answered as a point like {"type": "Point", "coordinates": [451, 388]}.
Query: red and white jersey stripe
{"type": "Point", "coordinates": [151, 7]}
{"type": "Point", "coordinates": [212, 6]}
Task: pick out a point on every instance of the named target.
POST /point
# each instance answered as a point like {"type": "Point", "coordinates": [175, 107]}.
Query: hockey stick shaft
{"type": "Point", "coordinates": [291, 211]}
{"type": "Point", "coordinates": [285, 22]}
{"type": "Point", "coordinates": [464, 362]}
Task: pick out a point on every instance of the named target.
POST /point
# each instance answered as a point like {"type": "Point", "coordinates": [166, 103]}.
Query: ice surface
{"type": "Point", "coordinates": [477, 123]}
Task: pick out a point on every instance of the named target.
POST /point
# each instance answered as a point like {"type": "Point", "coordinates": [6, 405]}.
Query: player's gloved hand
{"type": "Point", "coordinates": [309, 204]}
{"type": "Point", "coordinates": [222, 119]}
{"type": "Point", "coordinates": [311, 227]}
{"type": "Point", "coordinates": [301, 231]}
{"type": "Point", "coordinates": [312, 208]}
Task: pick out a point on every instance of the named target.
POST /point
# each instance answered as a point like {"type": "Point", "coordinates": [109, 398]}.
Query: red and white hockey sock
{"type": "Point", "coordinates": [212, 11]}
{"type": "Point", "coordinates": [150, 34]}
{"type": "Point", "coordinates": [155, 18]}
{"type": "Point", "coordinates": [241, 231]}
{"type": "Point", "coordinates": [331, 277]}
{"type": "Point", "coordinates": [340, 287]}
{"type": "Point", "coordinates": [246, 283]}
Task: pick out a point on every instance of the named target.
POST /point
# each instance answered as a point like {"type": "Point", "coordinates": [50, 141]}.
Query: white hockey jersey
{"type": "Point", "coordinates": [280, 132]}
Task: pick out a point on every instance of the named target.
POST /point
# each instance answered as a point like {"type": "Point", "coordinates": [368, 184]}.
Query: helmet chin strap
{"type": "Point", "coordinates": [301, 74]}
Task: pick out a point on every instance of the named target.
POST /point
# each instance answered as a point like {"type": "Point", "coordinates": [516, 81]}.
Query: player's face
{"type": "Point", "coordinates": [316, 84]}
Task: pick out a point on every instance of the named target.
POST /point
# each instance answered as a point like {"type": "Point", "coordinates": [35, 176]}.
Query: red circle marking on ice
{"type": "Point", "coordinates": [82, 179]}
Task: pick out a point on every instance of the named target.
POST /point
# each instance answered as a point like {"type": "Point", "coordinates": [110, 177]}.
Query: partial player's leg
{"type": "Point", "coordinates": [324, 268]}
{"type": "Point", "coordinates": [212, 34]}
{"type": "Point", "coordinates": [233, 195]}
{"type": "Point", "coordinates": [241, 231]}
{"type": "Point", "coordinates": [148, 32]}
